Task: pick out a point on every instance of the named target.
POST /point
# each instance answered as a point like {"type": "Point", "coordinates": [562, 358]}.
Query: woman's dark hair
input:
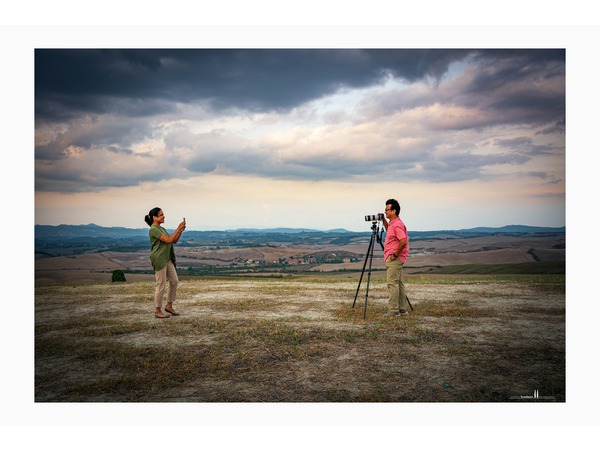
{"type": "Point", "coordinates": [149, 219]}
{"type": "Point", "coordinates": [394, 204]}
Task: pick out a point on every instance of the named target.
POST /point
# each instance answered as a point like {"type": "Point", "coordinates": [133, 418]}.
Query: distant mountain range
{"type": "Point", "coordinates": [64, 240]}
{"type": "Point", "coordinates": [505, 229]}
{"type": "Point", "coordinates": [96, 231]}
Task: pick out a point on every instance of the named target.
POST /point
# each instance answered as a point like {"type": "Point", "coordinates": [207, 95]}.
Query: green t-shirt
{"type": "Point", "coordinates": [161, 253]}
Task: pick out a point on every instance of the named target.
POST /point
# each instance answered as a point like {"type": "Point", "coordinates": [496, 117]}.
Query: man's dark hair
{"type": "Point", "coordinates": [394, 204]}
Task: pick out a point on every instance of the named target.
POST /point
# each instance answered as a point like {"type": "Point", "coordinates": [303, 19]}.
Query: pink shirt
{"type": "Point", "coordinates": [396, 231]}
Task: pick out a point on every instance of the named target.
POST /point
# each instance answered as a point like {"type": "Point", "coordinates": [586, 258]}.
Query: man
{"type": "Point", "coordinates": [395, 253]}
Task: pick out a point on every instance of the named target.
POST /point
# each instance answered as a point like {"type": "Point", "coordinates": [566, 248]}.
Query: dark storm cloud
{"type": "Point", "coordinates": [141, 82]}
{"type": "Point", "coordinates": [121, 117]}
{"type": "Point", "coordinates": [526, 146]}
{"type": "Point", "coordinates": [124, 151]}
{"type": "Point", "coordinates": [504, 86]}
{"type": "Point", "coordinates": [111, 132]}
{"type": "Point", "coordinates": [502, 67]}
{"type": "Point", "coordinates": [513, 81]}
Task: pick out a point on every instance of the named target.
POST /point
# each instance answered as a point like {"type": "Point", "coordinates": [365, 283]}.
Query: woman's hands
{"type": "Point", "coordinates": [174, 238]}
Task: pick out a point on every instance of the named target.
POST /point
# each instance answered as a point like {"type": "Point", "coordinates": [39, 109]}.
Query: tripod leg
{"type": "Point", "coordinates": [369, 251]}
{"type": "Point", "coordinates": [411, 308]}
{"type": "Point", "coordinates": [368, 282]}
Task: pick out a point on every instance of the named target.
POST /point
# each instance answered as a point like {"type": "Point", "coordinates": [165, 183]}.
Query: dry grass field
{"type": "Point", "coordinates": [298, 339]}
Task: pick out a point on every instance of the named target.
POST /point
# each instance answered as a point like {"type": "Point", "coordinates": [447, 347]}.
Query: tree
{"type": "Point", "coordinates": [118, 275]}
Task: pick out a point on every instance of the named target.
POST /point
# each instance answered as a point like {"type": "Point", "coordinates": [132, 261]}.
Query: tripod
{"type": "Point", "coordinates": [375, 236]}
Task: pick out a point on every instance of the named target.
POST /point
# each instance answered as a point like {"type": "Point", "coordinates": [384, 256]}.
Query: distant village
{"type": "Point", "coordinates": [321, 258]}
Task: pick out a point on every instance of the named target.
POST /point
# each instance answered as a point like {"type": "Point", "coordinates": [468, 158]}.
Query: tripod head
{"type": "Point", "coordinates": [377, 233]}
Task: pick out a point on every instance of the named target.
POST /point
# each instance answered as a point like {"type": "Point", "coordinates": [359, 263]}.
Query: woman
{"type": "Point", "coordinates": [162, 257]}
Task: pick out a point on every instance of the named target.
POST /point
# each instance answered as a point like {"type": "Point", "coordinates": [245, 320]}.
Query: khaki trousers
{"type": "Point", "coordinates": [162, 276]}
{"type": "Point", "coordinates": [395, 283]}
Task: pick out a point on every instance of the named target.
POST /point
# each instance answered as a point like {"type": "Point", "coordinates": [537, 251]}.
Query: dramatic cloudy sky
{"type": "Point", "coordinates": [300, 138]}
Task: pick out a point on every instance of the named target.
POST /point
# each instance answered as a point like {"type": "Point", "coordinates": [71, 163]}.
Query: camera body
{"type": "Point", "coordinates": [374, 217]}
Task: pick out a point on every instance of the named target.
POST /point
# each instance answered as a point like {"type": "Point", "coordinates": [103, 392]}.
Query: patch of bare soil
{"type": "Point", "coordinates": [467, 340]}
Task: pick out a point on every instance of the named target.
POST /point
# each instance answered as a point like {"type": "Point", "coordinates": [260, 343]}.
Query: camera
{"type": "Point", "coordinates": [374, 217]}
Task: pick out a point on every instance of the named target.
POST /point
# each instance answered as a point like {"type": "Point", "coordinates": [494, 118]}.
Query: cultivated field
{"type": "Point", "coordinates": [425, 255]}
{"type": "Point", "coordinates": [298, 339]}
